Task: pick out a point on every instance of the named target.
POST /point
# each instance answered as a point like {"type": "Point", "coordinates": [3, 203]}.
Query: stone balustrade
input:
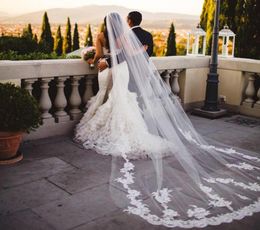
{"type": "Point", "coordinates": [63, 87]}
{"type": "Point", "coordinates": [241, 78]}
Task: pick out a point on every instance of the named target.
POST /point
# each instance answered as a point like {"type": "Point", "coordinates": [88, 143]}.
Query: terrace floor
{"type": "Point", "coordinates": [59, 185]}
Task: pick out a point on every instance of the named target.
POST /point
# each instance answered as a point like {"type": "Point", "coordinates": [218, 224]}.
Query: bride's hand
{"type": "Point", "coordinates": [102, 65]}
{"type": "Point", "coordinates": [90, 61]}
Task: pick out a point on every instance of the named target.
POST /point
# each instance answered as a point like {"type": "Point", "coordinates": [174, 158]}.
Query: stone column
{"type": "Point", "coordinates": [258, 97]}
{"type": "Point", "coordinates": [60, 101]}
{"type": "Point", "coordinates": [88, 91]}
{"type": "Point", "coordinates": [45, 103]}
{"type": "Point", "coordinates": [166, 76]}
{"type": "Point", "coordinates": [75, 100]}
{"type": "Point", "coordinates": [257, 104]}
{"type": "Point", "coordinates": [175, 83]}
{"type": "Point", "coordinates": [28, 84]}
{"type": "Point", "coordinates": [249, 92]}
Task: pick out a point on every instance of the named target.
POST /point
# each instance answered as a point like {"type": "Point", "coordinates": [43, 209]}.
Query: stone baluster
{"type": "Point", "coordinates": [88, 91]}
{"type": "Point", "coordinates": [175, 83]}
{"type": "Point", "coordinates": [60, 101]}
{"type": "Point", "coordinates": [166, 76]}
{"type": "Point", "coordinates": [257, 104]}
{"type": "Point", "coordinates": [28, 84]}
{"type": "Point", "coordinates": [250, 91]}
{"type": "Point", "coordinates": [258, 97]}
{"type": "Point", "coordinates": [75, 100]}
{"type": "Point", "coordinates": [175, 87]}
{"type": "Point", "coordinates": [45, 101]}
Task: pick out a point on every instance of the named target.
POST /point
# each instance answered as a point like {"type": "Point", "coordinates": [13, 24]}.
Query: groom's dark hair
{"type": "Point", "coordinates": [135, 17]}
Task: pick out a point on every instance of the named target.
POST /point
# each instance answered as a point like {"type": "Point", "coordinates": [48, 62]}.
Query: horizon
{"type": "Point", "coordinates": [169, 6]}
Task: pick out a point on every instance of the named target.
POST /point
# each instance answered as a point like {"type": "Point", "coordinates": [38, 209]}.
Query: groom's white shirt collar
{"type": "Point", "coordinates": [134, 27]}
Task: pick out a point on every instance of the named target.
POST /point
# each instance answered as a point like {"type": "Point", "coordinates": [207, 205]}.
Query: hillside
{"type": "Point", "coordinates": [94, 14]}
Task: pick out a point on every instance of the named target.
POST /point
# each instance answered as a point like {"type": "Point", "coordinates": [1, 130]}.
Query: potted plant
{"type": "Point", "coordinates": [19, 113]}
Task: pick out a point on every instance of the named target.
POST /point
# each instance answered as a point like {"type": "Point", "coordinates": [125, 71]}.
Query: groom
{"type": "Point", "coordinates": [134, 20]}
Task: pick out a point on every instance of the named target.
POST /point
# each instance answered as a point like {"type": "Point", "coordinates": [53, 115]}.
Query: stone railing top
{"type": "Point", "coordinates": [240, 64]}
{"type": "Point", "coordinates": [180, 62]}
{"type": "Point", "coordinates": [43, 68]}
{"type": "Point", "coordinates": [76, 67]}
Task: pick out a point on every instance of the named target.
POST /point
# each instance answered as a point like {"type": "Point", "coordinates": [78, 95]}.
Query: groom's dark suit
{"type": "Point", "coordinates": [144, 37]}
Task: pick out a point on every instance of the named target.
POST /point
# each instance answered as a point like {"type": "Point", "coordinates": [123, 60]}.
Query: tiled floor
{"type": "Point", "coordinates": [61, 186]}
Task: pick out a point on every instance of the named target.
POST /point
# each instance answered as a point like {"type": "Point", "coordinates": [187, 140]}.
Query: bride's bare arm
{"type": "Point", "coordinates": [99, 50]}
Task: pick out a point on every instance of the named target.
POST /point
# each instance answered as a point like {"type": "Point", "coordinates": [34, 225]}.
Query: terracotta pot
{"type": "Point", "coordinates": [9, 144]}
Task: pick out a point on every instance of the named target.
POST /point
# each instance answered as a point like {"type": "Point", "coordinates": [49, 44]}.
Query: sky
{"type": "Point", "coordinates": [14, 7]}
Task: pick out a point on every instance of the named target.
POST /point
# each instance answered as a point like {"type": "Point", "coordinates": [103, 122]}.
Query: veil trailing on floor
{"type": "Point", "coordinates": [192, 183]}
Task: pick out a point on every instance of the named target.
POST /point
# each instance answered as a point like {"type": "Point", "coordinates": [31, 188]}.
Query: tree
{"type": "Point", "coordinates": [204, 15]}
{"type": "Point", "coordinates": [227, 14]}
{"type": "Point", "coordinates": [159, 47]}
{"type": "Point", "coordinates": [67, 39]}
{"type": "Point", "coordinates": [27, 32]}
{"type": "Point", "coordinates": [58, 42]}
{"type": "Point", "coordinates": [35, 38]}
{"type": "Point", "coordinates": [46, 39]}
{"type": "Point", "coordinates": [242, 18]}
{"type": "Point", "coordinates": [75, 38]}
{"type": "Point", "coordinates": [21, 45]}
{"type": "Point", "coordinates": [207, 21]}
{"type": "Point", "coordinates": [89, 38]}
{"type": "Point", "coordinates": [181, 46]}
{"type": "Point", "coordinates": [171, 42]}
{"type": "Point", "coordinates": [248, 29]}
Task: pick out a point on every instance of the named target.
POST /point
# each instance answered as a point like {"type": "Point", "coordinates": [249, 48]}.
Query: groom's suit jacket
{"type": "Point", "coordinates": [145, 38]}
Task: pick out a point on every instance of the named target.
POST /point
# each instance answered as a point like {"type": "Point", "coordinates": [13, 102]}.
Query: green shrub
{"type": "Point", "coordinates": [19, 111]}
{"type": "Point", "coordinates": [13, 55]}
{"type": "Point", "coordinates": [22, 45]}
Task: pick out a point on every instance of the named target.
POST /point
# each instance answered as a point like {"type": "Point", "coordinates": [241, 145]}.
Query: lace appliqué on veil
{"type": "Point", "coordinates": [199, 217]}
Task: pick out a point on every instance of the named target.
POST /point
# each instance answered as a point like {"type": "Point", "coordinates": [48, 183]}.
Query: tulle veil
{"type": "Point", "coordinates": [195, 183]}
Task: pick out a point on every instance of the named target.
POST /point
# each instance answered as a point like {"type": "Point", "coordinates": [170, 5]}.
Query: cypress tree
{"type": "Point", "coordinates": [256, 25]}
{"type": "Point", "coordinates": [171, 42]}
{"type": "Point", "coordinates": [207, 21]}
{"type": "Point", "coordinates": [242, 18]}
{"type": "Point", "coordinates": [27, 32]}
{"type": "Point", "coordinates": [89, 38]}
{"type": "Point", "coordinates": [240, 30]}
{"type": "Point", "coordinates": [226, 17]}
{"type": "Point", "coordinates": [46, 39]}
{"type": "Point", "coordinates": [58, 42]}
{"type": "Point", "coordinates": [227, 14]}
{"type": "Point", "coordinates": [67, 39]}
{"type": "Point", "coordinates": [248, 34]}
{"type": "Point", "coordinates": [35, 38]}
{"type": "Point", "coordinates": [75, 38]}
{"type": "Point", "coordinates": [204, 15]}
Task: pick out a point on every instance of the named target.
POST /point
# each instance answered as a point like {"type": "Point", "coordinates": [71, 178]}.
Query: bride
{"type": "Point", "coordinates": [179, 179]}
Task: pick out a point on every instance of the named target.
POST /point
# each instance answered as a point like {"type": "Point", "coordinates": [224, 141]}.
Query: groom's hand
{"type": "Point", "coordinates": [102, 65]}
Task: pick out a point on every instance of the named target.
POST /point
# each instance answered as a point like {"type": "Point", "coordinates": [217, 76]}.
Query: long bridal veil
{"type": "Point", "coordinates": [192, 183]}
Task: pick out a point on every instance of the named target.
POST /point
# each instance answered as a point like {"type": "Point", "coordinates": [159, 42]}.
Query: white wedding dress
{"type": "Point", "coordinates": [115, 125]}
{"type": "Point", "coordinates": [184, 181]}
